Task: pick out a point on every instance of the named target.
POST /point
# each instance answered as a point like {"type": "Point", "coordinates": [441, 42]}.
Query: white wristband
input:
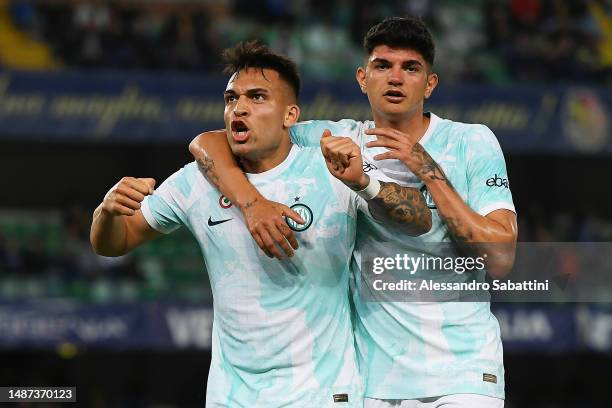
{"type": "Point", "coordinates": [371, 191]}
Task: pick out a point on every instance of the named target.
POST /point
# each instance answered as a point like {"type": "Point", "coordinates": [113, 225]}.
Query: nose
{"type": "Point", "coordinates": [395, 76]}
{"type": "Point", "coordinates": [241, 108]}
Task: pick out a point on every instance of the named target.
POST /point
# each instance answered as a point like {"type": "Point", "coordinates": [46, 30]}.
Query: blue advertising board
{"type": "Point", "coordinates": [146, 107]}
{"type": "Point", "coordinates": [161, 326]}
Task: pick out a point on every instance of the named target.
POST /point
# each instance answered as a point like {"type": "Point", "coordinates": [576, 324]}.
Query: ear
{"type": "Point", "coordinates": [432, 82]}
{"type": "Point", "coordinates": [292, 115]}
{"type": "Point", "coordinates": [360, 76]}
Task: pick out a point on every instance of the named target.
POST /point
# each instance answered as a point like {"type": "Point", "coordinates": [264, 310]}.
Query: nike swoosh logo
{"type": "Point", "coordinates": [212, 223]}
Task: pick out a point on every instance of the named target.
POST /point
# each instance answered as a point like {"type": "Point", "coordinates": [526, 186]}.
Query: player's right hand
{"type": "Point", "coordinates": [265, 221]}
{"type": "Point", "coordinates": [124, 198]}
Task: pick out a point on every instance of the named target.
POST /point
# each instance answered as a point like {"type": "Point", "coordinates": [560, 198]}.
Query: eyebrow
{"type": "Point", "coordinates": [404, 63]}
{"type": "Point", "coordinates": [248, 92]}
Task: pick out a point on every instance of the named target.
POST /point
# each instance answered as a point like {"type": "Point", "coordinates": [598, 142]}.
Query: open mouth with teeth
{"type": "Point", "coordinates": [240, 131]}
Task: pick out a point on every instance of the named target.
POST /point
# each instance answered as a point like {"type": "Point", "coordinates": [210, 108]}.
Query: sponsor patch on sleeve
{"type": "Point", "coordinates": [489, 378]}
{"type": "Point", "coordinates": [340, 397]}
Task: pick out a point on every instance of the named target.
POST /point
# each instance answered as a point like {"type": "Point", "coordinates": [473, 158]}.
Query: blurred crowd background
{"type": "Point", "coordinates": [495, 41]}
{"type": "Point", "coordinates": [51, 187]}
{"type": "Point", "coordinates": [47, 254]}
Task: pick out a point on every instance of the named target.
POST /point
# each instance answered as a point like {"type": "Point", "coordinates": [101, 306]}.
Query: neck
{"type": "Point", "coordinates": [415, 124]}
{"type": "Point", "coordinates": [261, 161]}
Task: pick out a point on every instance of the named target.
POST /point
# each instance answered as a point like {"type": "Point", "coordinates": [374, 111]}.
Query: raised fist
{"type": "Point", "coordinates": [125, 196]}
{"type": "Point", "coordinates": [343, 160]}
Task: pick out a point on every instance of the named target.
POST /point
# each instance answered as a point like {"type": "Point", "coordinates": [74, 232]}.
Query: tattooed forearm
{"type": "Point", "coordinates": [404, 206]}
{"type": "Point", "coordinates": [429, 168]}
{"type": "Point", "coordinates": [433, 172]}
{"type": "Point", "coordinates": [207, 167]}
{"type": "Point", "coordinates": [458, 230]}
{"type": "Point", "coordinates": [249, 204]}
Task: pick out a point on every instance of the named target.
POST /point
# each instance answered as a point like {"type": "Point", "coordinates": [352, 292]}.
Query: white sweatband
{"type": "Point", "coordinates": [371, 191]}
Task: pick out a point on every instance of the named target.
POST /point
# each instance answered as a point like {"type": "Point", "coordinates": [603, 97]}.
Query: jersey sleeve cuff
{"type": "Point", "coordinates": [148, 216]}
{"type": "Point", "coordinates": [499, 205]}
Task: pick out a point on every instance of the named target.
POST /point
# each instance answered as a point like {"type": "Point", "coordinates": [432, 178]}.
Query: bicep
{"type": "Point", "coordinates": [138, 231]}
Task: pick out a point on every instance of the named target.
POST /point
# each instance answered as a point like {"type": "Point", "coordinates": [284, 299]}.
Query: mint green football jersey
{"type": "Point", "coordinates": [410, 350]}
{"type": "Point", "coordinates": [282, 331]}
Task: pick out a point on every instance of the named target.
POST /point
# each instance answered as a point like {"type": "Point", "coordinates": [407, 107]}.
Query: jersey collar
{"type": "Point", "coordinates": [275, 171]}
{"type": "Point", "coordinates": [434, 120]}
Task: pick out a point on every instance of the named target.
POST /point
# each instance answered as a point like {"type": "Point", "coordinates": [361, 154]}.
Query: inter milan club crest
{"type": "Point", "coordinates": [224, 202]}
{"type": "Point", "coordinates": [305, 213]}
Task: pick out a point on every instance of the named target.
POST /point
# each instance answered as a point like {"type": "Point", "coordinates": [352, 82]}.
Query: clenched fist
{"type": "Point", "coordinates": [343, 160]}
{"type": "Point", "coordinates": [125, 196]}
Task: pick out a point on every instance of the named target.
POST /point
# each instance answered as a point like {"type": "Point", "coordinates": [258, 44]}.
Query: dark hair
{"type": "Point", "coordinates": [254, 54]}
{"type": "Point", "coordinates": [402, 32]}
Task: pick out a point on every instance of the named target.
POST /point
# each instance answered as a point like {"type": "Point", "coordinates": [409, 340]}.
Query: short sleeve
{"type": "Point", "coordinates": [162, 209]}
{"type": "Point", "coordinates": [309, 133]}
{"type": "Point", "coordinates": [488, 184]}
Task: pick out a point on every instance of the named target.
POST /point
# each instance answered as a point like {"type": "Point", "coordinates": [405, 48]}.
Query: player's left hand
{"type": "Point", "coordinates": [401, 147]}
{"type": "Point", "coordinates": [343, 160]}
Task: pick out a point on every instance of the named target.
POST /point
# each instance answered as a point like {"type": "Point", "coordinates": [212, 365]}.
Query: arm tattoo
{"type": "Point", "coordinates": [432, 170]}
{"type": "Point", "coordinates": [429, 168]}
{"type": "Point", "coordinates": [457, 230]}
{"type": "Point", "coordinates": [402, 205]}
{"type": "Point", "coordinates": [207, 167]}
{"type": "Point", "coordinates": [249, 204]}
